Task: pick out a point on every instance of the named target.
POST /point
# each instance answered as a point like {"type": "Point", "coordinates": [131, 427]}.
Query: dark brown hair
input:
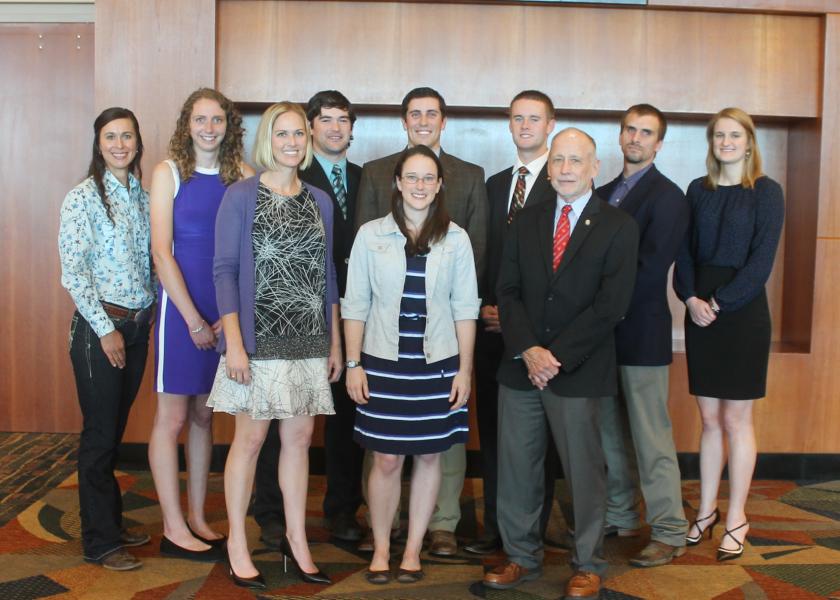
{"type": "Point", "coordinates": [97, 166]}
{"type": "Point", "coordinates": [422, 92]}
{"type": "Point", "coordinates": [646, 110]}
{"type": "Point", "coordinates": [437, 221]}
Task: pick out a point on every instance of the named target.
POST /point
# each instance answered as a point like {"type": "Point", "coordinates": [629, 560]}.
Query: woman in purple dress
{"type": "Point", "coordinates": [205, 157]}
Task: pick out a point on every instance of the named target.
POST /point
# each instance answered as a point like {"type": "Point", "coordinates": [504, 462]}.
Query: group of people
{"type": "Point", "coordinates": [316, 287]}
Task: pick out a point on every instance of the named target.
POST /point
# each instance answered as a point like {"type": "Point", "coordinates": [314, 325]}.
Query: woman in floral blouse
{"type": "Point", "coordinates": [105, 265]}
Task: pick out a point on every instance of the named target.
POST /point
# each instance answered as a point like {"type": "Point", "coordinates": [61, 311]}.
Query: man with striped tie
{"type": "Point", "coordinates": [525, 183]}
{"type": "Point", "coordinates": [566, 279]}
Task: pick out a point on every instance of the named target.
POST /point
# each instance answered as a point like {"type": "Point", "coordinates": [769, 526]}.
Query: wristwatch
{"type": "Point", "coordinates": [352, 364]}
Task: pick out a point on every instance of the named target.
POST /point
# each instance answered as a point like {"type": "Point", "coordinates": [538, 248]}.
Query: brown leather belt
{"type": "Point", "coordinates": [116, 311]}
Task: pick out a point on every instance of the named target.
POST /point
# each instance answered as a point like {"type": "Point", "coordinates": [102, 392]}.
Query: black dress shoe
{"type": "Point", "coordinates": [170, 549]}
{"type": "Point", "coordinates": [218, 542]}
{"type": "Point", "coordinates": [257, 582]}
{"type": "Point", "coordinates": [484, 546]}
{"type": "Point", "coordinates": [288, 556]}
{"type": "Point", "coordinates": [344, 527]}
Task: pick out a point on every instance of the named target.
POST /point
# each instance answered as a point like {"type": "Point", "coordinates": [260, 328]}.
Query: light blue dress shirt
{"type": "Point", "coordinates": [105, 260]}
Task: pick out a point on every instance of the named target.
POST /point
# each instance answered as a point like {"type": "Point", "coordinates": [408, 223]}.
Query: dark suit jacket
{"type": "Point", "coordinates": [572, 312]}
{"type": "Point", "coordinates": [343, 230]}
{"type": "Point", "coordinates": [466, 198]}
{"type": "Point", "coordinates": [498, 195]}
{"type": "Point", "coordinates": [661, 211]}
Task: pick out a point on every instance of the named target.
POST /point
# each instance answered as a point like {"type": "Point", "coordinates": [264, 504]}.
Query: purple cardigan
{"type": "Point", "coordinates": [233, 265]}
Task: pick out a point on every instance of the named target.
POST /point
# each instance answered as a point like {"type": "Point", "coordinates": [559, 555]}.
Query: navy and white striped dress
{"type": "Point", "coordinates": [408, 411]}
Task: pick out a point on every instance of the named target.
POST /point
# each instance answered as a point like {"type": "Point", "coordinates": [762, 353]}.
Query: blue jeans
{"type": "Point", "coordinates": [106, 394]}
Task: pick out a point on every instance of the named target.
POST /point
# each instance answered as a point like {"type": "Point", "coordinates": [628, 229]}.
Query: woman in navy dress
{"type": "Point", "coordinates": [205, 157]}
{"type": "Point", "coordinates": [409, 321]}
{"type": "Point", "coordinates": [736, 221]}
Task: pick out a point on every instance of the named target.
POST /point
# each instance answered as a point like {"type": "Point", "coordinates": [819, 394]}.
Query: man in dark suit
{"type": "Point", "coordinates": [331, 120]}
{"type": "Point", "coordinates": [643, 343]}
{"type": "Point", "coordinates": [424, 118]}
{"type": "Point", "coordinates": [523, 184]}
{"type": "Point", "coordinates": [565, 282]}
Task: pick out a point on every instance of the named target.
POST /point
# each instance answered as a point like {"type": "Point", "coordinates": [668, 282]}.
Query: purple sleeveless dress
{"type": "Point", "coordinates": [181, 368]}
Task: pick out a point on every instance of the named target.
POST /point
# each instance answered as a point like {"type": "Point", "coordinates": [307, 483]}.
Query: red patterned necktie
{"type": "Point", "coordinates": [561, 236]}
{"type": "Point", "coordinates": [518, 200]}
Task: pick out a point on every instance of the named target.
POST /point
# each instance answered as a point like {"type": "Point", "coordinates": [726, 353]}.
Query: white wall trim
{"type": "Point", "coordinates": [82, 11]}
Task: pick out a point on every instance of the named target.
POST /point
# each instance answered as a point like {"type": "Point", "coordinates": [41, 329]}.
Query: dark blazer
{"type": "Point", "coordinates": [572, 312]}
{"type": "Point", "coordinates": [661, 211]}
{"type": "Point", "coordinates": [498, 195]}
{"type": "Point", "coordinates": [343, 229]}
{"type": "Point", "coordinates": [466, 197]}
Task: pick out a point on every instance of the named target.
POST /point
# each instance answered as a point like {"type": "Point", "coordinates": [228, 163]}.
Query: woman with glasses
{"type": "Point", "coordinates": [409, 322]}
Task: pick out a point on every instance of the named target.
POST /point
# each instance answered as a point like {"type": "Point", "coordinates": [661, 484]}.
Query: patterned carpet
{"type": "Point", "coordinates": [793, 549]}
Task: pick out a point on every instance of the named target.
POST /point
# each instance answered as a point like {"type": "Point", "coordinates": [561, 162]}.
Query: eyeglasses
{"type": "Point", "coordinates": [412, 179]}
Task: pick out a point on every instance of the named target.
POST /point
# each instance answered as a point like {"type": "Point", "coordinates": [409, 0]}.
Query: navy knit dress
{"type": "Point", "coordinates": [408, 410]}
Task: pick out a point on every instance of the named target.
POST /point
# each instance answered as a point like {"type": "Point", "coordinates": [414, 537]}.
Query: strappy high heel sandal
{"type": "Point", "coordinates": [694, 540]}
{"type": "Point", "coordinates": [723, 553]}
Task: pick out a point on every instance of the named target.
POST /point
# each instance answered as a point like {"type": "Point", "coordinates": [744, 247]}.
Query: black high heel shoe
{"type": "Point", "coordinates": [723, 553]}
{"type": "Point", "coordinates": [257, 582]}
{"type": "Point", "coordinates": [316, 577]}
{"type": "Point", "coordinates": [694, 540]}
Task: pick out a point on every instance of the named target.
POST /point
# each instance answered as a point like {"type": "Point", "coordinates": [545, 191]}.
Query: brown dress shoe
{"type": "Point", "coordinates": [656, 554]}
{"type": "Point", "coordinates": [583, 584]}
{"type": "Point", "coordinates": [509, 575]}
{"type": "Point", "coordinates": [442, 543]}
{"type": "Point", "coordinates": [132, 537]}
{"type": "Point", "coordinates": [120, 560]}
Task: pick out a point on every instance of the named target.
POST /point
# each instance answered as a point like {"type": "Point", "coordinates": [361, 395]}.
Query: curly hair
{"type": "Point", "coordinates": [97, 166]}
{"type": "Point", "coordinates": [230, 152]}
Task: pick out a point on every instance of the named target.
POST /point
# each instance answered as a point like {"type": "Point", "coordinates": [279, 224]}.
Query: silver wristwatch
{"type": "Point", "coordinates": [352, 364]}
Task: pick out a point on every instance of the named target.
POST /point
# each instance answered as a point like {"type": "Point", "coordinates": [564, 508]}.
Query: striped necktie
{"type": "Point", "coordinates": [518, 200]}
{"type": "Point", "coordinates": [561, 236]}
{"type": "Point", "coordinates": [340, 192]}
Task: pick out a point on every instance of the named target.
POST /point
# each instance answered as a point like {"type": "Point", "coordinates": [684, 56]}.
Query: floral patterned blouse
{"type": "Point", "coordinates": [104, 260]}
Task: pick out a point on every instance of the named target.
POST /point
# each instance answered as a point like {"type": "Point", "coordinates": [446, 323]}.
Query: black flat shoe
{"type": "Point", "coordinates": [317, 577]}
{"type": "Point", "coordinates": [378, 577]}
{"type": "Point", "coordinates": [257, 582]}
{"type": "Point", "coordinates": [724, 554]}
{"type": "Point", "coordinates": [219, 542]}
{"type": "Point", "coordinates": [170, 549]}
{"type": "Point", "coordinates": [409, 575]}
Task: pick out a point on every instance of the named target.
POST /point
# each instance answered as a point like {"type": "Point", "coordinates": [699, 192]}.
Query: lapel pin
{"type": "Point", "coordinates": [586, 222]}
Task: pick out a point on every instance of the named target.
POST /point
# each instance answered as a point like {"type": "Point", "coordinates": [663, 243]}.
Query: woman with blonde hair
{"type": "Point", "coordinates": [205, 156]}
{"type": "Point", "coordinates": [277, 296]}
{"type": "Point", "coordinates": [737, 214]}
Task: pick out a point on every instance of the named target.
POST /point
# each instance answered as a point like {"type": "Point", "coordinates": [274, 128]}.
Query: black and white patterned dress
{"type": "Point", "coordinates": [408, 411]}
{"type": "Point", "coordinates": [289, 367]}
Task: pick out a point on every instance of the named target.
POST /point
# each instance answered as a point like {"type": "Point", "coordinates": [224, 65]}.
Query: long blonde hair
{"type": "Point", "coordinates": [230, 152]}
{"type": "Point", "coordinates": [752, 160]}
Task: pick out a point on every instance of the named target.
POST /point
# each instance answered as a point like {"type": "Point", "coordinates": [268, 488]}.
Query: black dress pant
{"type": "Point", "coordinates": [343, 465]}
{"type": "Point", "coordinates": [489, 349]}
{"type": "Point", "coordinates": [106, 394]}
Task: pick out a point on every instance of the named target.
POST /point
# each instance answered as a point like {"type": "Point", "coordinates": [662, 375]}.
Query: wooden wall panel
{"type": "Point", "coordinates": [585, 58]}
{"type": "Point", "coordinates": [830, 153]}
{"type": "Point", "coordinates": [46, 116]}
{"type": "Point", "coordinates": [150, 56]}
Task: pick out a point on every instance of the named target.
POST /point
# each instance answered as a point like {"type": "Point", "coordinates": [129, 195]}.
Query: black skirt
{"type": "Point", "coordinates": [728, 359]}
